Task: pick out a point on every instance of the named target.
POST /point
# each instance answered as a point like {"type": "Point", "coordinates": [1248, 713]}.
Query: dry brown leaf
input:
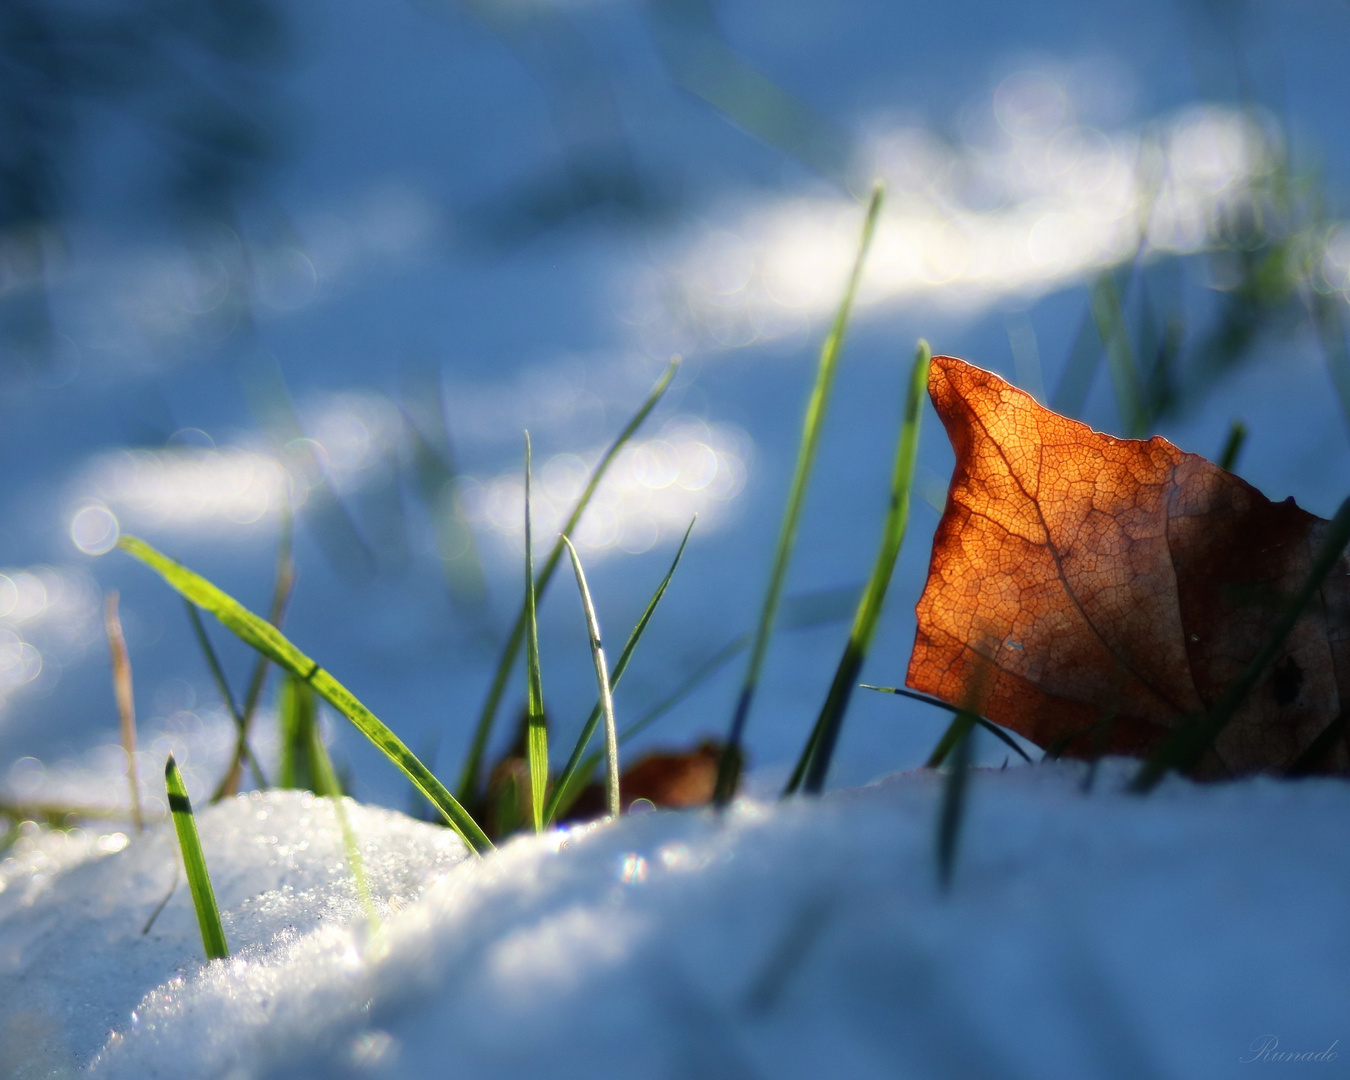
{"type": "Point", "coordinates": [674, 779]}
{"type": "Point", "coordinates": [1110, 589]}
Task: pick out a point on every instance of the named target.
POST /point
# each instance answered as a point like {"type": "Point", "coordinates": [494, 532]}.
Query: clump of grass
{"type": "Point", "coordinates": [126, 701]}
{"type": "Point", "coordinates": [194, 864]}
{"type": "Point", "coordinates": [729, 767]}
{"type": "Point", "coordinates": [577, 773]}
{"type": "Point", "coordinates": [469, 776]}
{"type": "Point", "coordinates": [269, 641]}
{"type": "Point", "coordinates": [814, 763]}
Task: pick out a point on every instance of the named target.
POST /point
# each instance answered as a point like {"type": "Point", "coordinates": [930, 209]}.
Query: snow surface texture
{"type": "Point", "coordinates": [74, 962]}
{"type": "Point", "coordinates": [1087, 934]}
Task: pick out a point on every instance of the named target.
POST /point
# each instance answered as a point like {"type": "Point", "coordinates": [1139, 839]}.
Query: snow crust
{"type": "Point", "coordinates": [75, 963]}
{"type": "Point", "coordinates": [1087, 934]}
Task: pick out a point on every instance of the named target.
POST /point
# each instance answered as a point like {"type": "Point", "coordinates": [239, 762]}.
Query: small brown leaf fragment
{"type": "Point", "coordinates": [671, 779]}
{"type": "Point", "coordinates": [1116, 588]}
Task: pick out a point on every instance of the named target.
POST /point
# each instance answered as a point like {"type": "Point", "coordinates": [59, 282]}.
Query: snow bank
{"type": "Point", "coordinates": [1087, 934]}
{"type": "Point", "coordinates": [75, 962]}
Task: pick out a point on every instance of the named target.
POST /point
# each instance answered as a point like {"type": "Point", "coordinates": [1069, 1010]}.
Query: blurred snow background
{"type": "Point", "coordinates": [316, 253]}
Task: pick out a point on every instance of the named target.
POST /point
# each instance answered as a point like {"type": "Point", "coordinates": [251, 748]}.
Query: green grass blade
{"type": "Point", "coordinates": [213, 664]}
{"type": "Point", "coordinates": [270, 641]}
{"type": "Point", "coordinates": [468, 777]}
{"type": "Point", "coordinates": [799, 612]}
{"type": "Point", "coordinates": [602, 683]}
{"type": "Point", "coordinates": [126, 700]}
{"type": "Point", "coordinates": [223, 688]}
{"type": "Point", "coordinates": [954, 799]}
{"type": "Point", "coordinates": [281, 595]}
{"type": "Point", "coordinates": [194, 863]}
{"type": "Point", "coordinates": [325, 784]}
{"type": "Point", "coordinates": [296, 712]}
{"type": "Point", "coordinates": [1232, 447]}
{"type": "Point", "coordinates": [563, 788]}
{"type": "Point", "coordinates": [1330, 325]}
{"type": "Point", "coordinates": [330, 522]}
{"type": "Point", "coordinates": [1191, 739]}
{"type": "Point", "coordinates": [537, 735]}
{"type": "Point", "coordinates": [728, 766]}
{"type": "Point", "coordinates": [993, 729]}
{"type": "Point", "coordinates": [1109, 318]}
{"type": "Point", "coordinates": [438, 483]}
{"type": "Point", "coordinates": [814, 762]}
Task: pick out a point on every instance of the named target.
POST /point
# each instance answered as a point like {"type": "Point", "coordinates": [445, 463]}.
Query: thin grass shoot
{"type": "Point", "coordinates": [282, 588]}
{"type": "Point", "coordinates": [612, 799]}
{"type": "Point", "coordinates": [126, 700]}
{"type": "Point", "coordinates": [194, 864]}
{"type": "Point", "coordinates": [728, 769]}
{"type": "Point", "coordinates": [536, 751]}
{"type": "Point", "coordinates": [469, 775]}
{"type": "Point", "coordinates": [814, 763]}
{"type": "Point", "coordinates": [573, 779]}
{"type": "Point", "coordinates": [993, 729]}
{"type": "Point", "coordinates": [1232, 447]}
{"type": "Point", "coordinates": [268, 640]}
{"type": "Point", "coordinates": [954, 791]}
{"type": "Point", "coordinates": [1191, 739]}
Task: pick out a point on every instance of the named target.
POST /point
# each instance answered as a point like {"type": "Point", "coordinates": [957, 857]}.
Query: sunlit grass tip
{"type": "Point", "coordinates": [814, 762]}
{"type": "Point", "coordinates": [270, 641]}
{"type": "Point", "coordinates": [728, 768]}
{"type": "Point", "coordinates": [577, 772]}
{"type": "Point", "coordinates": [537, 731]}
{"type": "Point", "coordinates": [194, 864]}
{"type": "Point", "coordinates": [613, 802]}
{"type": "Point", "coordinates": [469, 774]}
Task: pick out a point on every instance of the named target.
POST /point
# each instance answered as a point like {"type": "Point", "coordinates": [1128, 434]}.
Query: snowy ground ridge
{"type": "Point", "coordinates": [1088, 933]}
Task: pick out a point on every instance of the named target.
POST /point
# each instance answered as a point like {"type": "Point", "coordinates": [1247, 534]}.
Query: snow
{"type": "Point", "coordinates": [74, 962]}
{"type": "Point", "coordinates": [1087, 933]}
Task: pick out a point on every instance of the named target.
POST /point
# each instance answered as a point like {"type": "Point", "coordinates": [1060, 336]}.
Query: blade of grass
{"type": "Point", "coordinates": [993, 729]}
{"type": "Point", "coordinates": [799, 612]}
{"type": "Point", "coordinates": [1320, 747]}
{"type": "Point", "coordinates": [602, 684]}
{"type": "Point", "coordinates": [126, 701]}
{"type": "Point", "coordinates": [296, 710]}
{"type": "Point", "coordinates": [954, 800]}
{"type": "Point", "coordinates": [1110, 322]}
{"type": "Point", "coordinates": [194, 864]}
{"type": "Point", "coordinates": [270, 400]}
{"type": "Point", "coordinates": [468, 777]}
{"type": "Point", "coordinates": [56, 814]}
{"type": "Point", "coordinates": [223, 687]}
{"type": "Point", "coordinates": [281, 595]}
{"type": "Point", "coordinates": [1191, 739]}
{"type": "Point", "coordinates": [1232, 447]}
{"type": "Point", "coordinates": [325, 784]}
{"type": "Point", "coordinates": [536, 749]}
{"type": "Point", "coordinates": [814, 763]}
{"type": "Point", "coordinates": [562, 788]}
{"type": "Point", "coordinates": [438, 483]}
{"type": "Point", "coordinates": [729, 765]}
{"type": "Point", "coordinates": [268, 640]}
{"type": "Point", "coordinates": [1330, 325]}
